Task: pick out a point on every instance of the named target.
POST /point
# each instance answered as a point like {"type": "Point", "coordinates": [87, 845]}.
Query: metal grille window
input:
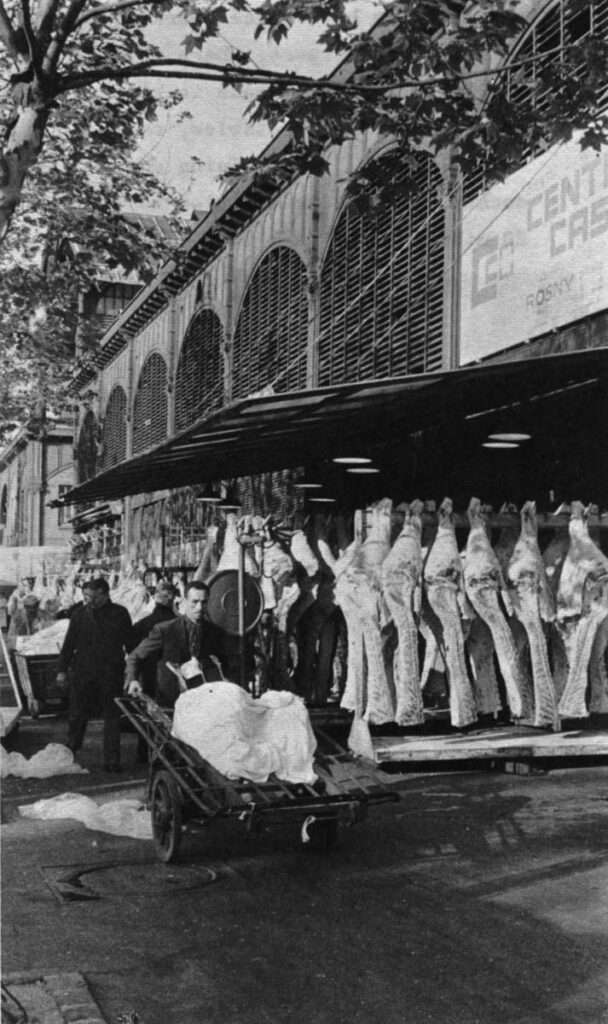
{"type": "Point", "coordinates": [270, 341]}
{"type": "Point", "coordinates": [150, 407]}
{"type": "Point", "coordinates": [382, 288]}
{"type": "Point", "coordinates": [559, 26]}
{"type": "Point", "coordinates": [199, 378]}
{"type": "Point", "coordinates": [115, 428]}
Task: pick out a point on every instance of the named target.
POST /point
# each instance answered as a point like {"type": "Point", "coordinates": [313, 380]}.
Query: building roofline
{"type": "Point", "coordinates": [244, 199]}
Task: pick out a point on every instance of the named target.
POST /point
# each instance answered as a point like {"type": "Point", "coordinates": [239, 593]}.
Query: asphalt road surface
{"type": "Point", "coordinates": [479, 898]}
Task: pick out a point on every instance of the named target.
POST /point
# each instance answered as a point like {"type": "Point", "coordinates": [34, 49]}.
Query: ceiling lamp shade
{"type": "Point", "coordinates": [308, 486]}
{"type": "Point", "coordinates": [363, 470]}
{"type": "Point", "coordinates": [499, 444]}
{"type": "Point", "coordinates": [506, 435]}
{"type": "Point", "coordinates": [324, 501]}
{"type": "Point", "coordinates": [209, 495]}
{"type": "Point", "coordinates": [230, 501]}
{"type": "Point", "coordinates": [351, 460]}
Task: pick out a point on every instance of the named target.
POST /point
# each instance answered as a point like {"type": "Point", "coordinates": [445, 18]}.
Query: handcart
{"type": "Point", "coordinates": [183, 787]}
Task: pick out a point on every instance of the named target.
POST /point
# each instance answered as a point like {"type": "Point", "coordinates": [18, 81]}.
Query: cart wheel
{"type": "Point", "coordinates": [323, 835]}
{"type": "Point", "coordinates": [166, 808]}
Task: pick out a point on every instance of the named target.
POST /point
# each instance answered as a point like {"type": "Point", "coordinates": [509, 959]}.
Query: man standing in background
{"type": "Point", "coordinates": [98, 638]}
{"type": "Point", "coordinates": [164, 596]}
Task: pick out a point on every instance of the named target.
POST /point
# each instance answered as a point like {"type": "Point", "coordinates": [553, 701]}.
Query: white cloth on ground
{"type": "Point", "coordinates": [54, 759]}
{"type": "Point", "coordinates": [124, 817]}
{"type": "Point", "coordinates": [247, 738]}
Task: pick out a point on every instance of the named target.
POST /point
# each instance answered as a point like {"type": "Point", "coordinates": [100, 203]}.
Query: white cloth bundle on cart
{"type": "Point", "coordinates": [247, 738]}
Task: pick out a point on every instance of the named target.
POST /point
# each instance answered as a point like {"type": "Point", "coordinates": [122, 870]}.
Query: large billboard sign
{"type": "Point", "coordinates": [535, 251]}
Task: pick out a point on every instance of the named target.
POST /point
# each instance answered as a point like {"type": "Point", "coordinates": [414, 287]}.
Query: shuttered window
{"type": "Point", "coordinates": [381, 299]}
{"type": "Point", "coordinates": [271, 336]}
{"type": "Point", "coordinates": [150, 407]}
{"type": "Point", "coordinates": [115, 428]}
{"type": "Point", "coordinates": [559, 26]}
{"type": "Point", "coordinates": [200, 374]}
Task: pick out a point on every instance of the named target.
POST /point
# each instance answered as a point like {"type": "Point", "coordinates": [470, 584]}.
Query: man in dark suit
{"type": "Point", "coordinates": [190, 635]}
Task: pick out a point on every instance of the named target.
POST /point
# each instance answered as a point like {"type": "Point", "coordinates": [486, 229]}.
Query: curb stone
{"type": "Point", "coordinates": [55, 997]}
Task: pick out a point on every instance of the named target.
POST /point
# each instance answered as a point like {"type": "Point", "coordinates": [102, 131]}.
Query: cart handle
{"type": "Point", "coordinates": [183, 686]}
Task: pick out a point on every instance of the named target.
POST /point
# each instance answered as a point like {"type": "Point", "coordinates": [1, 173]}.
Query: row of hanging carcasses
{"type": "Point", "coordinates": [531, 633]}
{"type": "Point", "coordinates": [513, 627]}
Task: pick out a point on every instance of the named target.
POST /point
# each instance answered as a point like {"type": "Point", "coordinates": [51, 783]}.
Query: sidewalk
{"type": "Point", "coordinates": [48, 998]}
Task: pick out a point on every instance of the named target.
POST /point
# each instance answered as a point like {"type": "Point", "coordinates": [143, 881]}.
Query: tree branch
{"type": "Point", "coordinates": [232, 74]}
{"type": "Point", "coordinates": [111, 9]}
{"type": "Point", "coordinates": [29, 35]}
{"type": "Point", "coordinates": [44, 20]}
{"type": "Point", "coordinates": [8, 35]}
{"type": "Point", "coordinates": [72, 16]}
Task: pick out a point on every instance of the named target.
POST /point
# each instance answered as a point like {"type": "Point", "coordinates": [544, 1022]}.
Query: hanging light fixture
{"type": "Point", "coordinates": [351, 460]}
{"type": "Point", "coordinates": [363, 470]}
{"type": "Point", "coordinates": [230, 501]}
{"type": "Point", "coordinates": [324, 501]}
{"type": "Point", "coordinates": [307, 486]}
{"type": "Point", "coordinates": [209, 495]}
{"type": "Point", "coordinates": [509, 436]}
{"type": "Point", "coordinates": [499, 444]}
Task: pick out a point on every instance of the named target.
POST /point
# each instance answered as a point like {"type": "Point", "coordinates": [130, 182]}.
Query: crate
{"type": "Point", "coordinates": [37, 678]}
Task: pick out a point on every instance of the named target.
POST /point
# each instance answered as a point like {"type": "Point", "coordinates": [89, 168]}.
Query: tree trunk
{"type": "Point", "coordinates": [21, 149]}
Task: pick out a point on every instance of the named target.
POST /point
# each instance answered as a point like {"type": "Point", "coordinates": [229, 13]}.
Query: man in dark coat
{"type": "Point", "coordinates": [164, 596]}
{"type": "Point", "coordinates": [190, 635]}
{"type": "Point", "coordinates": [93, 652]}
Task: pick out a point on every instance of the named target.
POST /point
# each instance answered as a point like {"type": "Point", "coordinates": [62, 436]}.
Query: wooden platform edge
{"type": "Point", "coordinates": [460, 747]}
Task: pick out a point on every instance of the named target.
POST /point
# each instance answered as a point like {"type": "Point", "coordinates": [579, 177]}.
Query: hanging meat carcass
{"type": "Point", "coordinates": [209, 561]}
{"type": "Point", "coordinates": [507, 538]}
{"type": "Point", "coordinates": [484, 583]}
{"type": "Point", "coordinates": [401, 581]}
{"type": "Point", "coordinates": [534, 605]}
{"type": "Point", "coordinates": [229, 558]}
{"type": "Point", "coordinates": [443, 586]}
{"type": "Point", "coordinates": [582, 606]}
{"type": "Point", "coordinates": [353, 697]}
{"type": "Point", "coordinates": [368, 690]}
{"type": "Point", "coordinates": [480, 653]}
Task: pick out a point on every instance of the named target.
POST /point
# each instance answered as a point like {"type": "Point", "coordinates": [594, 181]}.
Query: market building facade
{"type": "Point", "coordinates": [36, 466]}
{"type": "Point", "coordinates": [290, 330]}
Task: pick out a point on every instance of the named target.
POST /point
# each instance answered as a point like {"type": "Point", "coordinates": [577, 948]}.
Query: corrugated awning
{"type": "Point", "coordinates": [98, 514]}
{"type": "Point", "coordinates": [261, 434]}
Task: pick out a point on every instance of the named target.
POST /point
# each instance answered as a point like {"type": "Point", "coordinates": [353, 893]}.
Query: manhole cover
{"type": "Point", "coordinates": [148, 879]}
{"type": "Point", "coordinates": [79, 882]}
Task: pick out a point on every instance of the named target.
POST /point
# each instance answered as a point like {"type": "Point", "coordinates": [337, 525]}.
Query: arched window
{"type": "Point", "coordinates": [559, 25]}
{"type": "Point", "coordinates": [270, 341]}
{"type": "Point", "coordinates": [381, 295]}
{"type": "Point", "coordinates": [115, 428]}
{"type": "Point", "coordinates": [150, 406]}
{"type": "Point", "coordinates": [199, 379]}
{"type": "Point", "coordinates": [4, 506]}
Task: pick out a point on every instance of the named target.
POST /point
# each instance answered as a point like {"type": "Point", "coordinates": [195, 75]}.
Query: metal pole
{"type": "Point", "coordinates": [241, 616]}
